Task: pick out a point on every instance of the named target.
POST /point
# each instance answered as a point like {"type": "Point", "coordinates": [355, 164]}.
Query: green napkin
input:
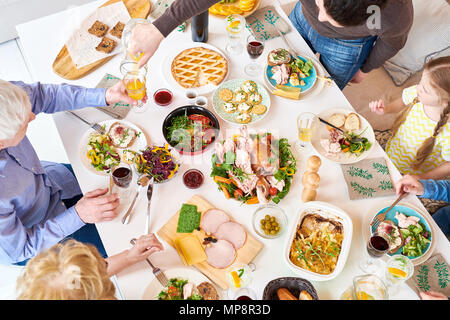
{"type": "Point", "coordinates": [117, 110]}
{"type": "Point", "coordinates": [262, 22]}
{"type": "Point", "coordinates": [432, 275]}
{"type": "Point", "coordinates": [368, 178]}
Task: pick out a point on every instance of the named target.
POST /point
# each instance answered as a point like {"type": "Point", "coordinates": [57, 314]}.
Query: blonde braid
{"type": "Point", "coordinates": [427, 146]}
{"type": "Point", "coordinates": [402, 116]}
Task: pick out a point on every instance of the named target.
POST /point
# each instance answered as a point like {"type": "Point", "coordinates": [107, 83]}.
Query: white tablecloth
{"type": "Point", "coordinates": [42, 39]}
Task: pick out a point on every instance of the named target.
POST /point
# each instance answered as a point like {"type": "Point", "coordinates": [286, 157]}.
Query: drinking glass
{"type": "Point", "coordinates": [245, 294]}
{"type": "Point", "coordinates": [235, 25]}
{"type": "Point", "coordinates": [121, 176]}
{"type": "Point", "coordinates": [399, 268]}
{"type": "Point", "coordinates": [126, 36]}
{"type": "Point", "coordinates": [240, 276]}
{"type": "Point", "coordinates": [134, 81]}
{"type": "Point", "coordinates": [369, 287]}
{"type": "Point", "coordinates": [377, 246]}
{"type": "Point", "coordinates": [255, 47]}
{"type": "Point", "coordinates": [307, 124]}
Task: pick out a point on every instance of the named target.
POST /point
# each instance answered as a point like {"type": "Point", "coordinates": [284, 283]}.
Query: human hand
{"type": "Point", "coordinates": [145, 38]}
{"type": "Point", "coordinates": [144, 247]}
{"type": "Point", "coordinates": [96, 206]}
{"type": "Point", "coordinates": [378, 107]}
{"type": "Point", "coordinates": [359, 77]}
{"type": "Point", "coordinates": [117, 93]}
{"type": "Point", "coordinates": [432, 295]}
{"type": "Point", "coordinates": [409, 184]}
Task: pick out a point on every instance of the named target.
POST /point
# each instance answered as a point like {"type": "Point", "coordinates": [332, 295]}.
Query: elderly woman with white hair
{"type": "Point", "coordinates": [34, 210]}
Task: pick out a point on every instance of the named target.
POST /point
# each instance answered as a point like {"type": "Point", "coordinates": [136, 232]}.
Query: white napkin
{"type": "Point", "coordinates": [81, 45]}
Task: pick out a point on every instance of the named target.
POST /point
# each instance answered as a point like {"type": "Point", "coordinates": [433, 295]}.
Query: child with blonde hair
{"type": "Point", "coordinates": [420, 141]}
{"type": "Point", "coordinates": [76, 271]}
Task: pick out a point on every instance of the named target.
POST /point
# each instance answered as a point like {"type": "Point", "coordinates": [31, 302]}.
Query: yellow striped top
{"type": "Point", "coordinates": [402, 147]}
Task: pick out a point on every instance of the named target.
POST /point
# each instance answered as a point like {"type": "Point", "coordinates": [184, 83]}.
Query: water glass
{"type": "Point", "coordinates": [235, 25]}
{"type": "Point", "coordinates": [307, 124]}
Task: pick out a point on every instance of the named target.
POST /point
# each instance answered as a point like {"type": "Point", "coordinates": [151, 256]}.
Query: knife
{"type": "Point", "coordinates": [149, 198]}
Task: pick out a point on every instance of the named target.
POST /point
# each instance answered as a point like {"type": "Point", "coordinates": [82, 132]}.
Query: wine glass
{"type": "Point", "coordinates": [377, 246]}
{"type": "Point", "coordinates": [369, 287]}
{"type": "Point", "coordinates": [134, 81]}
{"type": "Point", "coordinates": [255, 47]}
{"type": "Point", "coordinates": [235, 25]}
{"type": "Point", "coordinates": [121, 176]}
{"type": "Point", "coordinates": [307, 124]}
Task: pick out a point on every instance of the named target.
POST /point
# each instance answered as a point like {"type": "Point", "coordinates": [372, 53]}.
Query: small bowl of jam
{"type": "Point", "coordinates": [163, 97]}
{"type": "Point", "coordinates": [193, 178]}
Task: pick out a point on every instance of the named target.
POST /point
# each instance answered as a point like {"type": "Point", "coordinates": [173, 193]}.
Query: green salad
{"type": "Point", "coordinates": [174, 291]}
{"type": "Point", "coordinates": [416, 240]}
{"type": "Point", "coordinates": [302, 67]}
{"type": "Point", "coordinates": [354, 143]}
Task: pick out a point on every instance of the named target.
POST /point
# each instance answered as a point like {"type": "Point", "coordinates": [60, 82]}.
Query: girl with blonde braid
{"type": "Point", "coordinates": [420, 141]}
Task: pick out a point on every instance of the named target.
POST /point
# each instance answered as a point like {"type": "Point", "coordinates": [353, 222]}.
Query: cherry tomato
{"type": "Point", "coordinates": [238, 193]}
{"type": "Point", "coordinates": [273, 191]}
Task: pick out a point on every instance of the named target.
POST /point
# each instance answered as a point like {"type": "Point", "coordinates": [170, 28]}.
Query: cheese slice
{"type": "Point", "coordinates": [190, 250]}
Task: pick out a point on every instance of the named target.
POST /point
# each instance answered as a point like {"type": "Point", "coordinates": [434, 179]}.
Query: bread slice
{"type": "Point", "coordinates": [352, 122]}
{"type": "Point", "coordinates": [121, 135]}
{"type": "Point", "coordinates": [278, 57]}
{"type": "Point", "coordinates": [337, 119]}
{"type": "Point", "coordinates": [304, 295]}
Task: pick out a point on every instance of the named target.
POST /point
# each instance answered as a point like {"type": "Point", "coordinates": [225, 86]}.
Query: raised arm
{"type": "Point", "coordinates": [146, 38]}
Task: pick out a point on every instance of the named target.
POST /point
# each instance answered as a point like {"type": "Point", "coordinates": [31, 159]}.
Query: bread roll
{"type": "Point", "coordinates": [285, 294]}
{"type": "Point", "coordinates": [309, 194]}
{"type": "Point", "coordinates": [304, 295]}
{"type": "Point", "coordinates": [313, 163]}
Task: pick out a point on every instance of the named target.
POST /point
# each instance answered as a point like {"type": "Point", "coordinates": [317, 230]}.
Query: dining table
{"type": "Point", "coordinates": [42, 39]}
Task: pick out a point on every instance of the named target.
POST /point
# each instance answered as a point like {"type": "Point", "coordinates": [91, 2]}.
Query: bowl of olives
{"type": "Point", "coordinates": [269, 221]}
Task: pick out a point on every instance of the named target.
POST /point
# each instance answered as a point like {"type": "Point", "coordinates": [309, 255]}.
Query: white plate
{"type": "Point", "coordinates": [139, 144]}
{"type": "Point", "coordinates": [323, 133]}
{"type": "Point", "coordinates": [194, 276]}
{"type": "Point", "coordinates": [167, 66]}
{"type": "Point", "coordinates": [328, 211]}
{"type": "Point", "coordinates": [365, 226]}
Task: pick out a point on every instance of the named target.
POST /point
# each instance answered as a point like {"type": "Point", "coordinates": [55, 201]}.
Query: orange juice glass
{"type": "Point", "coordinates": [134, 80]}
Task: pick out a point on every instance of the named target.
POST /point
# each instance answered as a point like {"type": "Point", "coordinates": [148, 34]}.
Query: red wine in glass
{"type": "Point", "coordinates": [122, 177]}
{"type": "Point", "coordinates": [377, 246]}
{"type": "Point", "coordinates": [244, 298]}
{"type": "Point", "coordinates": [255, 48]}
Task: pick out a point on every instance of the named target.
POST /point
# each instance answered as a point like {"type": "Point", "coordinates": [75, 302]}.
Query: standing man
{"type": "Point", "coordinates": [353, 37]}
{"type": "Point", "coordinates": [39, 200]}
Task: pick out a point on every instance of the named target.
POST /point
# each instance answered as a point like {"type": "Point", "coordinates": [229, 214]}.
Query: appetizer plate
{"type": "Point", "coordinates": [139, 143]}
{"type": "Point", "coordinates": [323, 133]}
{"type": "Point", "coordinates": [167, 67]}
{"type": "Point", "coordinates": [194, 276]}
{"type": "Point", "coordinates": [190, 110]}
{"type": "Point", "coordinates": [309, 81]}
{"type": "Point", "coordinates": [293, 284]}
{"type": "Point", "coordinates": [327, 211]}
{"type": "Point", "coordinates": [408, 210]}
{"type": "Point", "coordinates": [233, 85]}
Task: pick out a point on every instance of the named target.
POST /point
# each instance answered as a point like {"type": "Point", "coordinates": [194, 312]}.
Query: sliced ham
{"type": "Point", "coordinates": [232, 232]}
{"type": "Point", "coordinates": [212, 219]}
{"type": "Point", "coordinates": [220, 254]}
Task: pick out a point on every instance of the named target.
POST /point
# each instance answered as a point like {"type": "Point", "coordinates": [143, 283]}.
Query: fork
{"type": "Point", "coordinates": [94, 126]}
{"type": "Point", "coordinates": [159, 274]}
{"type": "Point", "coordinates": [380, 218]}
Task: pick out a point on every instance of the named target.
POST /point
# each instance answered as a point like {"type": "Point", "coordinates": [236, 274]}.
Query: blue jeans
{"type": "Point", "coordinates": [86, 234]}
{"type": "Point", "coordinates": [442, 219]}
{"type": "Point", "coordinates": [341, 58]}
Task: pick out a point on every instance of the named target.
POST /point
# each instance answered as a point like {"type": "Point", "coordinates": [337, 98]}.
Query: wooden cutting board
{"type": "Point", "coordinates": [63, 64]}
{"type": "Point", "coordinates": [244, 255]}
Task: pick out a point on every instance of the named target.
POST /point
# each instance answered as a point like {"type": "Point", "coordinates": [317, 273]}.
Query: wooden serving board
{"type": "Point", "coordinates": [244, 255]}
{"type": "Point", "coordinates": [236, 4]}
{"type": "Point", "coordinates": [63, 64]}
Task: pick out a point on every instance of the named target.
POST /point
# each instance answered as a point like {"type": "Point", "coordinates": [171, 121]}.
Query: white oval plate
{"type": "Point", "coordinates": [167, 66]}
{"type": "Point", "coordinates": [323, 133]}
{"type": "Point", "coordinates": [194, 276]}
{"type": "Point", "coordinates": [139, 144]}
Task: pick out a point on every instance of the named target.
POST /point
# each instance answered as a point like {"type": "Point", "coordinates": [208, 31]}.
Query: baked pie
{"type": "Point", "coordinates": [196, 67]}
